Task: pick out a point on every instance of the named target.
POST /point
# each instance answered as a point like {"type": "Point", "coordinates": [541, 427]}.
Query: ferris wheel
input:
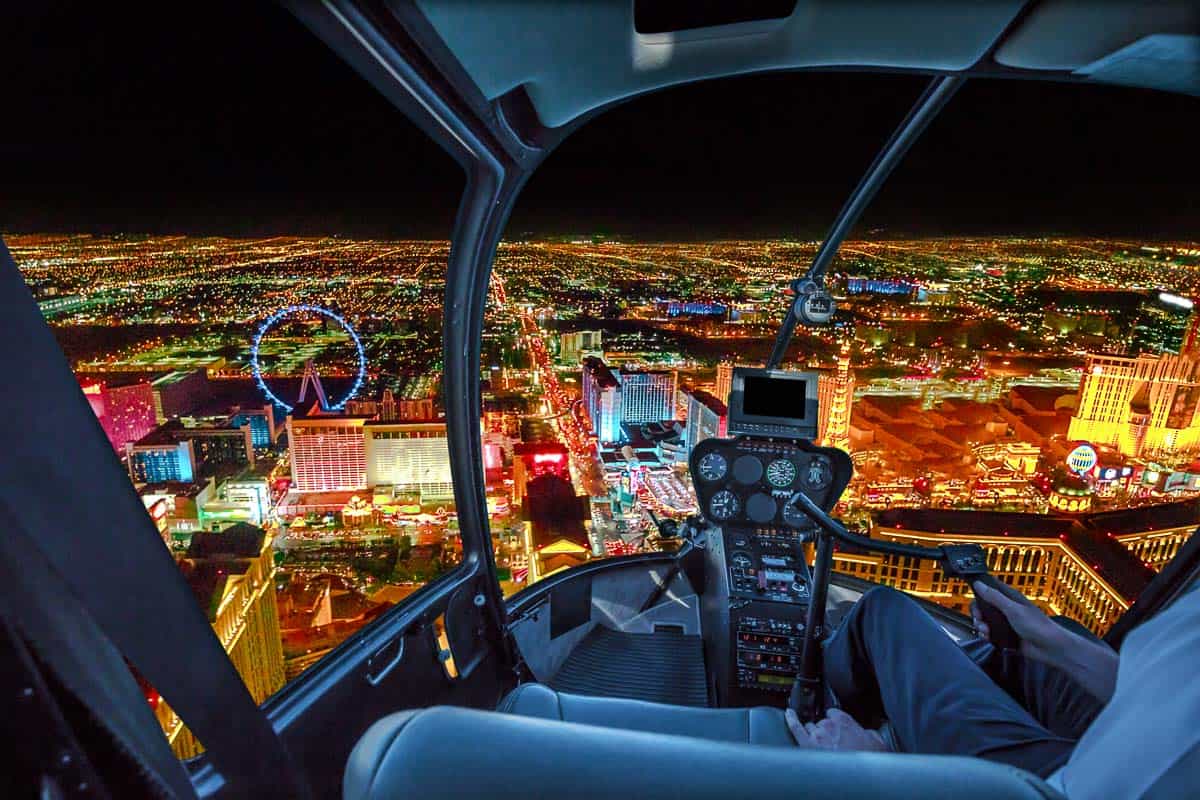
{"type": "Point", "coordinates": [310, 376]}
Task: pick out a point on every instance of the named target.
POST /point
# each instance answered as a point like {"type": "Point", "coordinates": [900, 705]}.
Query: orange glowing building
{"type": "Point", "coordinates": [1089, 567]}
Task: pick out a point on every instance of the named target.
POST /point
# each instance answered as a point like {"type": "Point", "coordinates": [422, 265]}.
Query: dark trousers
{"type": "Point", "coordinates": [890, 660]}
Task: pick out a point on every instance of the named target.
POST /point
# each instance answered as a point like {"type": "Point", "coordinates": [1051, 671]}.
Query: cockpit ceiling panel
{"type": "Point", "coordinates": [575, 55]}
{"type": "Point", "coordinates": [1070, 34]}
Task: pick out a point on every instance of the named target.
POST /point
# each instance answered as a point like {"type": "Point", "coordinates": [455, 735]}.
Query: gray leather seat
{"type": "Point", "coordinates": [748, 725]}
{"type": "Point", "coordinates": [448, 752]}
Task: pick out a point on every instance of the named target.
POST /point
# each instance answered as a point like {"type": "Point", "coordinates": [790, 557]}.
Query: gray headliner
{"type": "Point", "coordinates": [1050, 38]}
{"type": "Point", "coordinates": [573, 56]}
{"type": "Point", "coordinates": [576, 55]}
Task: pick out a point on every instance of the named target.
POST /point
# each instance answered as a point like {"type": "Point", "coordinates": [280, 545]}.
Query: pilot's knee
{"type": "Point", "coordinates": [887, 601]}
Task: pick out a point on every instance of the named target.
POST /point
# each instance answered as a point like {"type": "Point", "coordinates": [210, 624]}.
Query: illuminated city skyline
{"type": "Point", "coordinates": [960, 374]}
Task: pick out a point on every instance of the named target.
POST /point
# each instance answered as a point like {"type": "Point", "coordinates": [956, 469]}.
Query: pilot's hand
{"type": "Point", "coordinates": [1040, 637]}
{"type": "Point", "coordinates": [838, 731]}
{"type": "Point", "coordinates": [981, 627]}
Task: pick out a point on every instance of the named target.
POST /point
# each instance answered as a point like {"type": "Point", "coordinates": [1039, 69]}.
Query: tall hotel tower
{"type": "Point", "coordinates": [1143, 406]}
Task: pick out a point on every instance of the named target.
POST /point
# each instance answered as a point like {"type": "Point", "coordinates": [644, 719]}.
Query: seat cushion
{"type": "Point", "coordinates": [760, 725]}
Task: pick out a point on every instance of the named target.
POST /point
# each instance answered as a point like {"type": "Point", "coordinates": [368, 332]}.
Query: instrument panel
{"type": "Point", "coordinates": [760, 587]}
{"type": "Point", "coordinates": [750, 481]}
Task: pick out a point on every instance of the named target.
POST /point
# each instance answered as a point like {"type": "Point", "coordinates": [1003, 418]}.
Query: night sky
{"type": "Point", "coordinates": [120, 119]}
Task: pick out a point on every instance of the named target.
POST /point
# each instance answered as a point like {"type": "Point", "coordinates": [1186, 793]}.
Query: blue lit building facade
{"type": "Point", "coordinates": [261, 422]}
{"type": "Point", "coordinates": [602, 399]}
{"type": "Point", "coordinates": [165, 462]}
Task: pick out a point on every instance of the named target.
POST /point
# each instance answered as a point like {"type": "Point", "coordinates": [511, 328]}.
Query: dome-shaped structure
{"type": "Point", "coordinates": [1071, 495]}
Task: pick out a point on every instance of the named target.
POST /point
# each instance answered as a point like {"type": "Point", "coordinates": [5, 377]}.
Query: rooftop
{"type": "Point", "coordinates": [1087, 535]}
{"type": "Point", "coordinates": [208, 580]}
{"type": "Point", "coordinates": [1123, 571]}
{"type": "Point", "coordinates": [174, 377]}
{"type": "Point", "coordinates": [406, 424]}
{"type": "Point", "coordinates": [1147, 518]}
{"type": "Point", "coordinates": [236, 541]}
{"type": "Point", "coordinates": [604, 375]}
{"type": "Point", "coordinates": [173, 432]}
{"type": "Point", "coordinates": [976, 523]}
{"type": "Point", "coordinates": [710, 401]}
{"type": "Point", "coordinates": [177, 488]}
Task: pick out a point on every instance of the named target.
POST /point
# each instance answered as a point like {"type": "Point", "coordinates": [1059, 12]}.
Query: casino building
{"type": "Point", "coordinates": [1089, 567]}
{"type": "Point", "coordinates": [835, 396]}
{"type": "Point", "coordinates": [328, 452]}
{"type": "Point", "coordinates": [232, 575]}
{"type": "Point", "coordinates": [410, 457]}
{"type": "Point", "coordinates": [1144, 406]}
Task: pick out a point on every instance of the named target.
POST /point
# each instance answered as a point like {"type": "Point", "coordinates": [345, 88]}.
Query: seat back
{"type": "Point", "coordinates": [445, 752]}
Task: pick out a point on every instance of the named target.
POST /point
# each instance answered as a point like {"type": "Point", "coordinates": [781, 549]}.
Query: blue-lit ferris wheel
{"type": "Point", "coordinates": [273, 320]}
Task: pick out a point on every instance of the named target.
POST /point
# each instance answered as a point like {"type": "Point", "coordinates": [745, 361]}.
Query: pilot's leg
{"type": "Point", "coordinates": [889, 659]}
{"type": "Point", "coordinates": [1052, 696]}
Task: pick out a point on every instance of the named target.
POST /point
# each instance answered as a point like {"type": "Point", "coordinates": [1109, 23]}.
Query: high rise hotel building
{"type": "Point", "coordinates": [409, 456]}
{"type": "Point", "coordinates": [328, 453]}
{"type": "Point", "coordinates": [602, 399]}
{"type": "Point", "coordinates": [630, 396]}
{"type": "Point", "coordinates": [232, 574]}
{"type": "Point", "coordinates": [835, 396]}
{"type": "Point", "coordinates": [338, 453]}
{"type": "Point", "coordinates": [707, 417]}
{"type": "Point", "coordinates": [647, 396]}
{"type": "Point", "coordinates": [1144, 406]}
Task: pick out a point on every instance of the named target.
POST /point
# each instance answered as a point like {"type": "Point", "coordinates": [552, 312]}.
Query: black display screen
{"type": "Point", "coordinates": [774, 397]}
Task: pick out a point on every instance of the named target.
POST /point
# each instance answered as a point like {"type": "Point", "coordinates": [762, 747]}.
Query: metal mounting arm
{"type": "Point", "coordinates": [813, 304]}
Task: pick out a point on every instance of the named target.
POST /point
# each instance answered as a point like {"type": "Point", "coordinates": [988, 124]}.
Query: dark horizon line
{"type": "Point", "coordinates": [874, 234]}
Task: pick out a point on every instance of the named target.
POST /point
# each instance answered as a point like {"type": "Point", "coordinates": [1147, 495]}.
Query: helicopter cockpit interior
{"type": "Point", "coordinates": [659, 673]}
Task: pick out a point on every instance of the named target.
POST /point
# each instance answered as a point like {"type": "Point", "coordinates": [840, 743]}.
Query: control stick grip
{"type": "Point", "coordinates": [1000, 631]}
{"type": "Point", "coordinates": [969, 563]}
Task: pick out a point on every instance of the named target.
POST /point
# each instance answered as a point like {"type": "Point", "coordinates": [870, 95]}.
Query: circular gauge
{"type": "Point", "coordinates": [741, 561]}
{"type": "Point", "coordinates": [712, 467]}
{"type": "Point", "coordinates": [781, 473]}
{"type": "Point", "coordinates": [724, 505]}
{"type": "Point", "coordinates": [747, 470]}
{"type": "Point", "coordinates": [793, 516]}
{"type": "Point", "coordinates": [760, 508]}
{"type": "Point", "coordinates": [817, 475]}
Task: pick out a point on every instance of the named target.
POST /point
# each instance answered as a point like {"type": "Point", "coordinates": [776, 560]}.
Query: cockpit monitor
{"type": "Point", "coordinates": [773, 403]}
